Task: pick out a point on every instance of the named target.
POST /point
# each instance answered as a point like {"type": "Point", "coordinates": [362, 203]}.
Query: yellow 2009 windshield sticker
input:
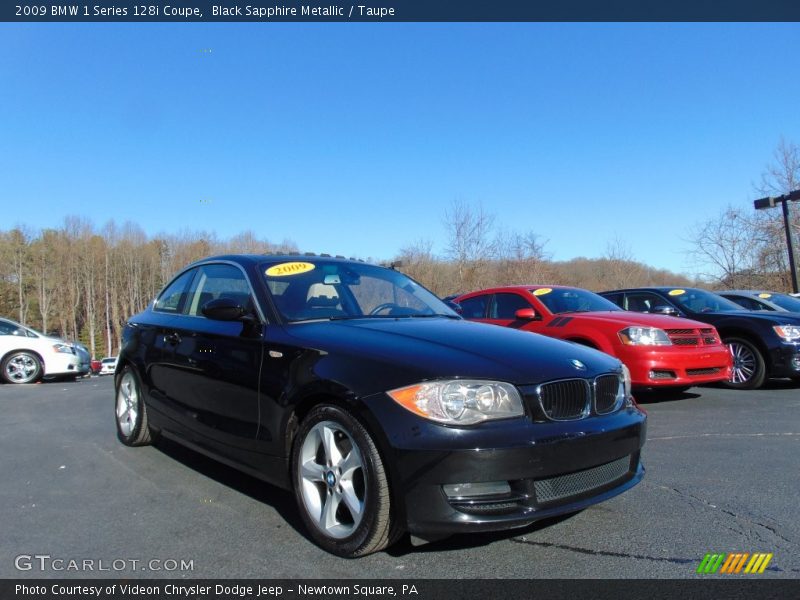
{"type": "Point", "coordinates": [289, 268]}
{"type": "Point", "coordinates": [676, 292]}
{"type": "Point", "coordinates": [765, 295]}
{"type": "Point", "coordinates": [542, 291]}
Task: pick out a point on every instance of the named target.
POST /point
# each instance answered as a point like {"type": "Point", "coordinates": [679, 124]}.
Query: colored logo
{"type": "Point", "coordinates": [578, 364]}
{"type": "Point", "coordinates": [734, 562]}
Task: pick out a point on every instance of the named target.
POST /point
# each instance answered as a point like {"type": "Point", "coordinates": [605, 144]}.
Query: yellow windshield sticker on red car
{"type": "Point", "coordinates": [765, 295]}
{"type": "Point", "coordinates": [542, 291]}
{"type": "Point", "coordinates": [676, 292]}
{"type": "Point", "coordinates": [289, 268]}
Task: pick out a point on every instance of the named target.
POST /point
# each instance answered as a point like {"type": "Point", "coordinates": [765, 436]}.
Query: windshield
{"type": "Point", "coordinates": [567, 300]}
{"type": "Point", "coordinates": [785, 302]}
{"type": "Point", "coordinates": [304, 291]}
{"type": "Point", "coordinates": [700, 301]}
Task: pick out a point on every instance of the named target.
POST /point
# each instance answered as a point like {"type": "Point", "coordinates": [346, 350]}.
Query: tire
{"type": "Point", "coordinates": [749, 367]}
{"type": "Point", "coordinates": [340, 484]}
{"type": "Point", "coordinates": [21, 366]}
{"type": "Point", "coordinates": [130, 410]}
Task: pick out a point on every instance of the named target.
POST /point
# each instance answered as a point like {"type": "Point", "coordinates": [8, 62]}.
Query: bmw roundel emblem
{"type": "Point", "coordinates": [578, 364]}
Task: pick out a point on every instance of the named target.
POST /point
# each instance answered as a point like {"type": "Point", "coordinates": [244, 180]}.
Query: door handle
{"type": "Point", "coordinates": [173, 339]}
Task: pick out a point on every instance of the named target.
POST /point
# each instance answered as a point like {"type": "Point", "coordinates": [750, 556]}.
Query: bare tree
{"type": "Point", "coordinates": [779, 177]}
{"type": "Point", "coordinates": [620, 268]}
{"type": "Point", "coordinates": [726, 245]}
{"type": "Point", "coordinates": [470, 244]}
{"type": "Point", "coordinates": [521, 259]}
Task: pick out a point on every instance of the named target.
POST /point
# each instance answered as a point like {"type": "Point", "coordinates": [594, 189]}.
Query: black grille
{"type": "Point", "coordinates": [488, 508]}
{"type": "Point", "coordinates": [581, 482]}
{"type": "Point", "coordinates": [605, 389]}
{"type": "Point", "coordinates": [707, 371]}
{"type": "Point", "coordinates": [564, 400]}
{"type": "Point", "coordinates": [685, 341]}
{"type": "Point", "coordinates": [679, 331]}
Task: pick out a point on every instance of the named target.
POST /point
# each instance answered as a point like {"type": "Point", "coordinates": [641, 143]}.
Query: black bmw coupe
{"type": "Point", "coordinates": [378, 406]}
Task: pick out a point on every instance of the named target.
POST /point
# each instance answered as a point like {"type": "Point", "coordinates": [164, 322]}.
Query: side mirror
{"type": "Point", "coordinates": [525, 314]}
{"type": "Point", "coordinates": [454, 306]}
{"type": "Point", "coordinates": [223, 309]}
{"type": "Point", "coordinates": [665, 310]}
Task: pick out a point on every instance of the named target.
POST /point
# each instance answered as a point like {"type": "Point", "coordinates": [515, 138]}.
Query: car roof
{"type": "Point", "coordinates": [657, 288]}
{"type": "Point", "coordinates": [523, 288]}
{"type": "Point", "coordinates": [752, 292]}
{"type": "Point", "coordinates": [254, 259]}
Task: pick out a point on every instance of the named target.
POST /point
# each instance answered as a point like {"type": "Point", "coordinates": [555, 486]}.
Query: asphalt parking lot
{"type": "Point", "coordinates": [722, 476]}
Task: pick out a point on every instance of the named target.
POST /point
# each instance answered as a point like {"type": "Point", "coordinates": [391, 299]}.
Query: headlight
{"type": "Point", "coordinates": [788, 333]}
{"type": "Point", "coordinates": [460, 401]}
{"type": "Point", "coordinates": [66, 349]}
{"type": "Point", "coordinates": [644, 336]}
{"type": "Point", "coordinates": [626, 386]}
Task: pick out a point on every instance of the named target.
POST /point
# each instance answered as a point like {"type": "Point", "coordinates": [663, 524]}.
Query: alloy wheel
{"type": "Point", "coordinates": [127, 404]}
{"type": "Point", "coordinates": [21, 368]}
{"type": "Point", "coordinates": [332, 481]}
{"type": "Point", "coordinates": [744, 363]}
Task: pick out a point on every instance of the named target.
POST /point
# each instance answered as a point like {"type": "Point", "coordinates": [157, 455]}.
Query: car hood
{"type": "Point", "coordinates": [439, 347]}
{"type": "Point", "coordinates": [628, 317]}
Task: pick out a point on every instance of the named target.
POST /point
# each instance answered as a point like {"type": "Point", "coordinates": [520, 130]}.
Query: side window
{"type": "Point", "coordinates": [643, 302]}
{"type": "Point", "coordinates": [615, 298]}
{"type": "Point", "coordinates": [7, 328]}
{"type": "Point", "coordinates": [758, 305]}
{"type": "Point", "coordinates": [506, 305]}
{"type": "Point", "coordinates": [474, 308]}
{"type": "Point", "coordinates": [217, 281]}
{"type": "Point", "coordinates": [746, 303]}
{"type": "Point", "coordinates": [173, 298]}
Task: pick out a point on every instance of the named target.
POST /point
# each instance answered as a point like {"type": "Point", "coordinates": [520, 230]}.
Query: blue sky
{"type": "Point", "coordinates": [354, 138]}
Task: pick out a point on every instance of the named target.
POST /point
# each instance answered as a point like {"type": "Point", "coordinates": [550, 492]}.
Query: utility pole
{"type": "Point", "coordinates": [784, 200]}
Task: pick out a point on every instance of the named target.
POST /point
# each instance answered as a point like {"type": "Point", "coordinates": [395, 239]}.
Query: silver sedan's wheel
{"type": "Point", "coordinates": [131, 413]}
{"type": "Point", "coordinates": [332, 479]}
{"type": "Point", "coordinates": [749, 368]}
{"type": "Point", "coordinates": [341, 485]}
{"type": "Point", "coordinates": [21, 367]}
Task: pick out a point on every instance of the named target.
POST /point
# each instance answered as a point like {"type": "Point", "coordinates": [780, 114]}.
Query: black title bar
{"type": "Point", "coordinates": [730, 588]}
{"type": "Point", "coordinates": [402, 10]}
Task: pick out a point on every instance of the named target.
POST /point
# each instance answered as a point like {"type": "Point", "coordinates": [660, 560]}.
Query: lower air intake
{"type": "Point", "coordinates": [581, 482]}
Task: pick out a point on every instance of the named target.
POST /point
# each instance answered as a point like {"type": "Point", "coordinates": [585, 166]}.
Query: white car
{"type": "Point", "coordinates": [107, 365]}
{"type": "Point", "coordinates": [27, 355]}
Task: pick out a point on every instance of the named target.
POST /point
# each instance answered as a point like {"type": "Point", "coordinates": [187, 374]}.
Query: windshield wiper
{"type": "Point", "coordinates": [428, 316]}
{"type": "Point", "coordinates": [349, 317]}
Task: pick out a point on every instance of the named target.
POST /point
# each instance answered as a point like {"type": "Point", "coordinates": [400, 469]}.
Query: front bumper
{"type": "Point", "coordinates": [550, 468]}
{"type": "Point", "coordinates": [676, 365]}
{"type": "Point", "coordinates": [61, 363]}
{"type": "Point", "coordinates": [785, 360]}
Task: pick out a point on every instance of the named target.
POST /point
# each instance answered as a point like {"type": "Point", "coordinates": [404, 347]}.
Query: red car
{"type": "Point", "coordinates": [660, 351]}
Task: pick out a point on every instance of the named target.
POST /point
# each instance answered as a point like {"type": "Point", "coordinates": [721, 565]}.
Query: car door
{"type": "Point", "coordinates": [503, 309]}
{"type": "Point", "coordinates": [211, 368]}
{"type": "Point", "coordinates": [647, 302]}
{"type": "Point", "coordinates": [474, 308]}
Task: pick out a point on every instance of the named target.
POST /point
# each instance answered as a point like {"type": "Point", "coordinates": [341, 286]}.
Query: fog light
{"type": "Point", "coordinates": [466, 490]}
{"type": "Point", "coordinates": [661, 374]}
{"type": "Point", "coordinates": [796, 363]}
